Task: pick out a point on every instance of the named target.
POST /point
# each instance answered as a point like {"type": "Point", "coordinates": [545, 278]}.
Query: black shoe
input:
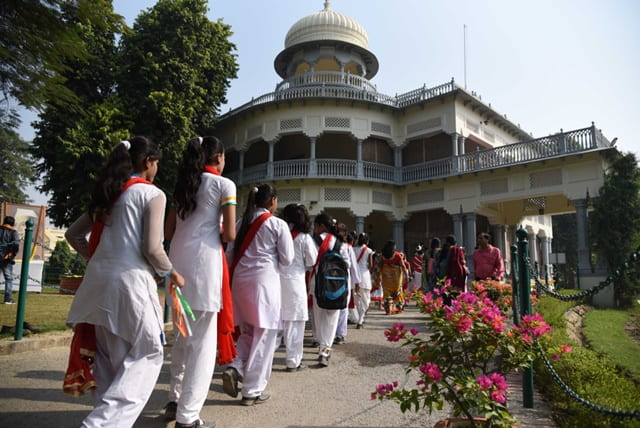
{"type": "Point", "coordinates": [315, 344]}
{"type": "Point", "coordinates": [170, 411]}
{"type": "Point", "coordinates": [230, 381]}
{"type": "Point", "coordinates": [358, 326]}
{"type": "Point", "coordinates": [296, 369]}
{"type": "Point", "coordinates": [250, 401]}
{"type": "Point", "coordinates": [339, 340]}
{"type": "Point", "coordinates": [199, 423]}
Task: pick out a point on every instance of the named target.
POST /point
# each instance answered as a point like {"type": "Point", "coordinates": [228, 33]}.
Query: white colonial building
{"type": "Point", "coordinates": [430, 162]}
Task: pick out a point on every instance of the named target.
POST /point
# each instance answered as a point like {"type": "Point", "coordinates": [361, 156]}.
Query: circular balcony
{"type": "Point", "coordinates": [332, 78]}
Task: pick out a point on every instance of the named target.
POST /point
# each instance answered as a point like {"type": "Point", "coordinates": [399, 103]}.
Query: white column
{"type": "Point", "coordinates": [359, 166]}
{"type": "Point", "coordinates": [270, 161]}
{"type": "Point", "coordinates": [398, 235]}
{"type": "Point", "coordinates": [313, 166]}
{"type": "Point", "coordinates": [584, 262]}
{"type": "Point", "coordinates": [397, 162]}
{"type": "Point", "coordinates": [533, 250]}
{"type": "Point", "coordinates": [469, 239]}
{"type": "Point", "coordinates": [457, 226]}
{"type": "Point", "coordinates": [359, 224]}
{"type": "Point", "coordinates": [454, 152]}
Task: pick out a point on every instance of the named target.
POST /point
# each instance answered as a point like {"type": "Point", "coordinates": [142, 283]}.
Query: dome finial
{"type": "Point", "coordinates": [327, 4]}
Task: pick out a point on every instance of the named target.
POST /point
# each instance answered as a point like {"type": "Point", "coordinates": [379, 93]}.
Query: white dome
{"type": "Point", "coordinates": [327, 25]}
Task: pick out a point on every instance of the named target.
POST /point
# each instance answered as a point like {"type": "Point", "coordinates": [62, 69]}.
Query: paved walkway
{"type": "Point", "coordinates": [30, 388]}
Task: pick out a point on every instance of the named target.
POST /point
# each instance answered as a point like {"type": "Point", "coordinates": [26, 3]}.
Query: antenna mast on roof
{"type": "Point", "coordinates": [465, 55]}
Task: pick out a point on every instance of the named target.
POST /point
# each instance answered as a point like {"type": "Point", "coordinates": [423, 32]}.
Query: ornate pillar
{"type": "Point", "coordinates": [359, 224]}
{"type": "Point", "coordinates": [454, 152]}
{"type": "Point", "coordinates": [457, 226]}
{"type": "Point", "coordinates": [398, 234]}
{"type": "Point", "coordinates": [397, 163]}
{"type": "Point", "coordinates": [545, 251]}
{"type": "Point", "coordinates": [469, 239]}
{"type": "Point", "coordinates": [359, 166]}
{"type": "Point", "coordinates": [270, 161]}
{"type": "Point", "coordinates": [461, 141]}
{"type": "Point", "coordinates": [499, 241]}
{"type": "Point", "coordinates": [584, 262]}
{"type": "Point", "coordinates": [313, 166]}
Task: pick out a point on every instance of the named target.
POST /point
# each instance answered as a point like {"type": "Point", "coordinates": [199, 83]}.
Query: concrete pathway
{"type": "Point", "coordinates": [337, 396]}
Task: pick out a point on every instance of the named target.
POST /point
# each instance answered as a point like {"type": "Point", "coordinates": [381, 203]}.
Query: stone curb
{"type": "Point", "coordinates": [35, 342]}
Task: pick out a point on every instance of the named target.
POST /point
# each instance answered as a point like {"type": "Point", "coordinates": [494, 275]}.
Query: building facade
{"type": "Point", "coordinates": [427, 163]}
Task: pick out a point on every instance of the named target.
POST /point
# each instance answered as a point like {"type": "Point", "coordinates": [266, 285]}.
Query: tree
{"type": "Point", "coordinates": [15, 163]}
{"type": "Point", "coordinates": [73, 140]}
{"type": "Point", "coordinates": [37, 43]}
{"type": "Point", "coordinates": [177, 66]}
{"type": "Point", "coordinates": [615, 224]}
{"type": "Point", "coordinates": [63, 262]}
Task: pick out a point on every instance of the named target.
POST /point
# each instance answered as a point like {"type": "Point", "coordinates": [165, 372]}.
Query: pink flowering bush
{"type": "Point", "coordinates": [469, 347]}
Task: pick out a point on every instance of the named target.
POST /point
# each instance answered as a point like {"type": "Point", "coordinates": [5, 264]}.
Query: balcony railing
{"type": "Point", "coordinates": [553, 146]}
{"type": "Point", "coordinates": [342, 86]}
{"type": "Point", "coordinates": [329, 78]}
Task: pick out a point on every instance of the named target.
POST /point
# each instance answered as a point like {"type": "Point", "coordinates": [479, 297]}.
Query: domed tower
{"type": "Point", "coordinates": [326, 47]}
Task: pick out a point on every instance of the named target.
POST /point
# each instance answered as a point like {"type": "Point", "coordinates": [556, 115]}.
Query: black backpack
{"type": "Point", "coordinates": [332, 279]}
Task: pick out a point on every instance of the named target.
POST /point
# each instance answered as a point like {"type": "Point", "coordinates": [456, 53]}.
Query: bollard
{"type": "Point", "coordinates": [515, 295]}
{"type": "Point", "coordinates": [525, 309]}
{"type": "Point", "coordinates": [24, 277]}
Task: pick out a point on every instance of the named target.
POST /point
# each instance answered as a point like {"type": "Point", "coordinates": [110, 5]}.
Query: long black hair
{"type": "Point", "coordinates": [259, 197]}
{"type": "Point", "coordinates": [326, 221]}
{"type": "Point", "coordinates": [363, 239]}
{"type": "Point", "coordinates": [435, 244]}
{"type": "Point", "coordinates": [388, 249]}
{"type": "Point", "coordinates": [297, 216]}
{"type": "Point", "coordinates": [199, 151]}
{"type": "Point", "coordinates": [125, 159]}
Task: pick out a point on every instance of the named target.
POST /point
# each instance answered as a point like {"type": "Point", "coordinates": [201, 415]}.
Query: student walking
{"type": "Point", "coordinates": [9, 245]}
{"type": "Point", "coordinates": [118, 295]}
{"type": "Point", "coordinates": [354, 281]}
{"type": "Point", "coordinates": [262, 247]}
{"type": "Point", "coordinates": [364, 259]}
{"type": "Point", "coordinates": [390, 273]}
{"type": "Point", "coordinates": [326, 320]}
{"type": "Point", "coordinates": [203, 217]}
{"type": "Point", "coordinates": [294, 287]}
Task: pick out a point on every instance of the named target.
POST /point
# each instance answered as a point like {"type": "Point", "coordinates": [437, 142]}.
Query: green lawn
{"type": "Point", "coordinates": [46, 311]}
{"type": "Point", "coordinates": [604, 331]}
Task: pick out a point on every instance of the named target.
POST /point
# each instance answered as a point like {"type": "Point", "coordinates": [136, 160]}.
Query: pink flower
{"type": "Point", "coordinates": [374, 396]}
{"type": "Point", "coordinates": [484, 382]}
{"type": "Point", "coordinates": [397, 332]}
{"type": "Point", "coordinates": [499, 381]}
{"type": "Point", "coordinates": [555, 357]}
{"type": "Point", "coordinates": [414, 331]}
{"type": "Point", "coordinates": [498, 397]}
{"type": "Point", "coordinates": [431, 370]}
{"type": "Point", "coordinates": [566, 349]}
{"type": "Point", "coordinates": [463, 325]}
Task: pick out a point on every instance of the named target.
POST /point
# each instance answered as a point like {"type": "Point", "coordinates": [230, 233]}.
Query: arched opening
{"type": "Point", "coordinates": [258, 153]}
{"type": "Point", "coordinates": [336, 146]}
{"type": "Point", "coordinates": [303, 67]}
{"type": "Point", "coordinates": [326, 64]}
{"type": "Point", "coordinates": [377, 150]}
{"type": "Point", "coordinates": [425, 149]}
{"type": "Point", "coordinates": [295, 146]}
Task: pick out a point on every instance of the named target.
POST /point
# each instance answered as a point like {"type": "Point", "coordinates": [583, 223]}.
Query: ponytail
{"type": "Point", "coordinates": [126, 158]}
{"type": "Point", "coordinates": [259, 197]}
{"type": "Point", "coordinates": [297, 216]}
{"type": "Point", "coordinates": [198, 152]}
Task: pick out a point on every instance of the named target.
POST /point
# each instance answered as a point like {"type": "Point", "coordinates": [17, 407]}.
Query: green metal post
{"type": "Point", "coordinates": [525, 308]}
{"type": "Point", "coordinates": [515, 303]}
{"type": "Point", "coordinates": [24, 277]}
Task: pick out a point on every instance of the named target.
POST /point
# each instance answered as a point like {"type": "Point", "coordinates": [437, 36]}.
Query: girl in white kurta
{"type": "Point", "coordinates": [257, 294]}
{"type": "Point", "coordinates": [118, 294]}
{"type": "Point", "coordinates": [203, 201]}
{"type": "Point", "coordinates": [326, 320]}
{"type": "Point", "coordinates": [294, 287]}
{"type": "Point", "coordinates": [354, 281]}
{"type": "Point", "coordinates": [364, 260]}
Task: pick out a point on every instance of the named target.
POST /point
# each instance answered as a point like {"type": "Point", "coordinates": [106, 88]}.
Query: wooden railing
{"type": "Point", "coordinates": [552, 146]}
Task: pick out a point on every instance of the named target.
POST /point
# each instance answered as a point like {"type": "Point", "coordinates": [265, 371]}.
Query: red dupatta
{"type": "Point", "coordinates": [78, 377]}
{"type": "Point", "coordinates": [226, 345]}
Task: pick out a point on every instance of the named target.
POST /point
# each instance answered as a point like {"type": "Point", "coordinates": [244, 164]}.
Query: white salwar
{"type": "Point", "coordinates": [363, 298]}
{"type": "Point", "coordinates": [119, 296]}
{"type": "Point", "coordinates": [196, 252]}
{"type": "Point", "coordinates": [354, 278]}
{"type": "Point", "coordinates": [294, 297]}
{"type": "Point", "coordinates": [257, 298]}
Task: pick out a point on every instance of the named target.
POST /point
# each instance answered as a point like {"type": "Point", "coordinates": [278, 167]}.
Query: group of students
{"type": "Point", "coordinates": [247, 282]}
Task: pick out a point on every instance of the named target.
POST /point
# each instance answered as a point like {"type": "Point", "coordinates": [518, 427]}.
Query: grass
{"type": "Point", "coordinates": [604, 331]}
{"type": "Point", "coordinates": [47, 310]}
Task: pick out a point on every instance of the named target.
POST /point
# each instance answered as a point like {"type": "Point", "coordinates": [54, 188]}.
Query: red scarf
{"type": "Point", "coordinates": [226, 345]}
{"type": "Point", "coordinates": [78, 377]}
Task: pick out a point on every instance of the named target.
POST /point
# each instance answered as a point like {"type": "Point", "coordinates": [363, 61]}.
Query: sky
{"type": "Point", "coordinates": [548, 65]}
